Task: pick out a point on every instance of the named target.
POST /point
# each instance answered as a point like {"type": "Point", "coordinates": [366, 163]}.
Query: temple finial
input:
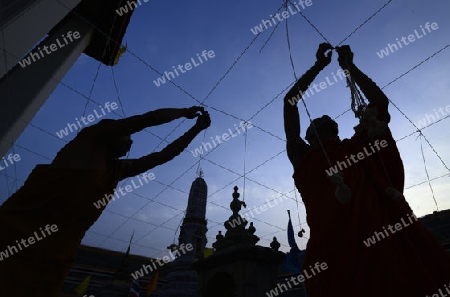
{"type": "Point", "coordinates": [200, 172]}
{"type": "Point", "coordinates": [236, 194]}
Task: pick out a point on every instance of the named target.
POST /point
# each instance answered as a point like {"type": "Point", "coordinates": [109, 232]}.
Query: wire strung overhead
{"type": "Point", "coordinates": [225, 186]}
{"type": "Point", "coordinates": [90, 100]}
{"type": "Point", "coordinates": [355, 30]}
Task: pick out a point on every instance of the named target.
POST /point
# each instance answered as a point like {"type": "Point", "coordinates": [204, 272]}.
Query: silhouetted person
{"type": "Point", "coordinates": [401, 258]}
{"type": "Point", "coordinates": [43, 223]}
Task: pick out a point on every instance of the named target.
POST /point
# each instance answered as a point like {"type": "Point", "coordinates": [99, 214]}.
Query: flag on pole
{"type": "Point", "coordinates": [122, 272]}
{"type": "Point", "coordinates": [290, 234]}
{"type": "Point", "coordinates": [153, 283]}
{"type": "Point", "coordinates": [292, 262]}
{"type": "Point", "coordinates": [81, 289]}
{"type": "Point", "coordinates": [135, 287]}
{"type": "Point", "coordinates": [128, 249]}
{"type": "Point", "coordinates": [120, 52]}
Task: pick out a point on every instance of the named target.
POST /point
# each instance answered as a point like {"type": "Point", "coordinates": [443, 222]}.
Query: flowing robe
{"type": "Point", "coordinates": [50, 195]}
{"type": "Point", "coordinates": [406, 262]}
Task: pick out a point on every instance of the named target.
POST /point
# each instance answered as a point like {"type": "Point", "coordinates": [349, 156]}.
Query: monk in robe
{"type": "Point", "coordinates": [43, 223]}
{"type": "Point", "coordinates": [401, 258]}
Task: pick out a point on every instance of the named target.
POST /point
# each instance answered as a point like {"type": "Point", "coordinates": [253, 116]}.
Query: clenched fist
{"type": "Point", "coordinates": [192, 112]}
{"type": "Point", "coordinates": [203, 120]}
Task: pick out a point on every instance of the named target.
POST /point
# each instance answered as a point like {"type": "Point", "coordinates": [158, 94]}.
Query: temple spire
{"type": "Point", "coordinates": [235, 226]}
{"type": "Point", "coordinates": [181, 279]}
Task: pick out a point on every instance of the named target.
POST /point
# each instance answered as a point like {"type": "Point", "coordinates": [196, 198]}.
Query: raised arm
{"type": "Point", "coordinates": [295, 145]}
{"type": "Point", "coordinates": [134, 167]}
{"type": "Point", "coordinates": [130, 125]}
{"type": "Point", "coordinates": [370, 89]}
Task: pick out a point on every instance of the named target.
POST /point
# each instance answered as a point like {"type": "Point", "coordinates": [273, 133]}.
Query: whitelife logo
{"type": "Point", "coordinates": [281, 17]}
{"type": "Point", "coordinates": [11, 158]}
{"type": "Point", "coordinates": [128, 188]}
{"type": "Point", "coordinates": [360, 156]}
{"type": "Point", "coordinates": [131, 4]}
{"type": "Point", "coordinates": [225, 137]}
{"type": "Point", "coordinates": [11, 250]}
{"type": "Point", "coordinates": [166, 259]}
{"type": "Point", "coordinates": [429, 118]}
{"type": "Point", "coordinates": [294, 281]}
{"type": "Point", "coordinates": [90, 118]}
{"type": "Point", "coordinates": [53, 47]}
{"type": "Point", "coordinates": [411, 38]}
{"type": "Point", "coordinates": [262, 208]}
{"type": "Point", "coordinates": [188, 66]}
{"type": "Point", "coordinates": [323, 85]}
{"type": "Point", "coordinates": [372, 240]}
{"type": "Point", "coordinates": [441, 294]}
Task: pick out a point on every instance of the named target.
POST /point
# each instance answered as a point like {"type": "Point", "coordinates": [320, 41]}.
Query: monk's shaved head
{"type": "Point", "coordinates": [326, 128]}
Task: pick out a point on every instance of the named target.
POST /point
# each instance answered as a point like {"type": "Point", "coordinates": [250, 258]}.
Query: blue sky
{"type": "Point", "coordinates": [165, 34]}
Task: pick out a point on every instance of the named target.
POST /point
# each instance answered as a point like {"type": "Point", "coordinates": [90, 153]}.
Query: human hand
{"type": "Point", "coordinates": [203, 120]}
{"type": "Point", "coordinates": [323, 59]}
{"type": "Point", "coordinates": [192, 112]}
{"type": "Point", "coordinates": [345, 57]}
